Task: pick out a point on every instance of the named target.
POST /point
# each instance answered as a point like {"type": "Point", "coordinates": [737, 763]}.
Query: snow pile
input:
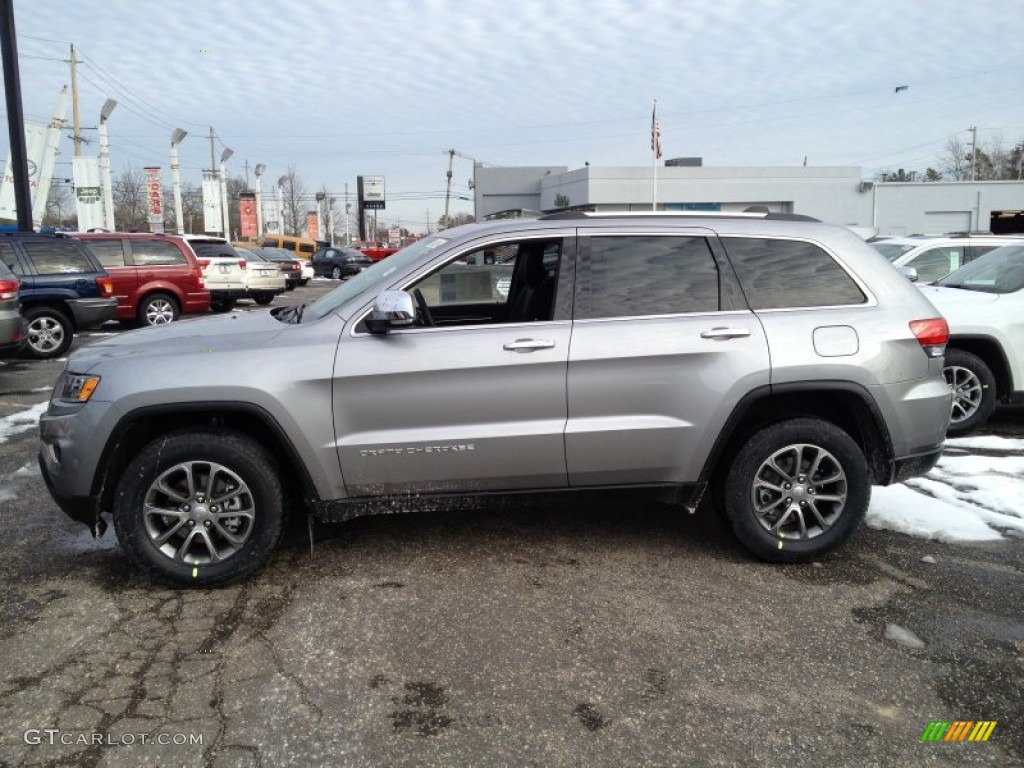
{"type": "Point", "coordinates": [22, 421]}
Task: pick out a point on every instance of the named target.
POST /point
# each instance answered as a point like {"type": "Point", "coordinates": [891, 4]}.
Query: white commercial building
{"type": "Point", "coordinates": [834, 194]}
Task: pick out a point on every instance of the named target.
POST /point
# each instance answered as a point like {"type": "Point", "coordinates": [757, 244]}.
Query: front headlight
{"type": "Point", "coordinates": [76, 388]}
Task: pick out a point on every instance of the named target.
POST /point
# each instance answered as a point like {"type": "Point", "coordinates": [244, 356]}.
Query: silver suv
{"type": "Point", "coordinates": [776, 361]}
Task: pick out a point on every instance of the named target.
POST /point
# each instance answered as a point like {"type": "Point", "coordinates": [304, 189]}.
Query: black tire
{"type": "Point", "coordinates": [263, 298]}
{"type": "Point", "coordinates": [974, 391]}
{"type": "Point", "coordinates": [196, 525]}
{"type": "Point", "coordinates": [223, 305]}
{"type": "Point", "coordinates": [157, 309]}
{"type": "Point", "coordinates": [336, 272]}
{"type": "Point", "coordinates": [49, 333]}
{"type": "Point", "coordinates": [795, 445]}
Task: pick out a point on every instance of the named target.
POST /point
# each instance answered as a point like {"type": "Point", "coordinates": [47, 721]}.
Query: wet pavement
{"type": "Point", "coordinates": [618, 634]}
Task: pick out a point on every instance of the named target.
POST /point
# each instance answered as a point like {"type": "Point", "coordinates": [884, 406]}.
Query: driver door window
{"type": "Point", "coordinates": [512, 282]}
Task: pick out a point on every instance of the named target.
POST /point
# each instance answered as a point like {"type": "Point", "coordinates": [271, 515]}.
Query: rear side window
{"type": "Point", "coordinates": [305, 248]}
{"type": "Point", "coordinates": [10, 258]}
{"type": "Point", "coordinates": [650, 275]}
{"type": "Point", "coordinates": [146, 253]}
{"type": "Point", "coordinates": [789, 273]}
{"type": "Point", "coordinates": [109, 252]}
{"type": "Point", "coordinates": [58, 258]}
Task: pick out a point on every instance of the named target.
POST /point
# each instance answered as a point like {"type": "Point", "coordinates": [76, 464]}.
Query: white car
{"type": "Point", "coordinates": [224, 270]}
{"type": "Point", "coordinates": [983, 302]}
{"type": "Point", "coordinates": [934, 257]}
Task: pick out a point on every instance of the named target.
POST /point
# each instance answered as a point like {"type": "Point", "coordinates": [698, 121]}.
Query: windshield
{"type": "Point", "coordinates": [998, 271]}
{"type": "Point", "coordinates": [891, 251]}
{"type": "Point", "coordinates": [376, 277]}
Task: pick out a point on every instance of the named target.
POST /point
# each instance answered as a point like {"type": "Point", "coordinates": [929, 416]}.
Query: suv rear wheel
{"type": "Point", "coordinates": [200, 508]}
{"type": "Point", "coordinates": [157, 309]}
{"type": "Point", "coordinates": [49, 333]}
{"type": "Point", "coordinates": [974, 391]}
{"type": "Point", "coordinates": [797, 490]}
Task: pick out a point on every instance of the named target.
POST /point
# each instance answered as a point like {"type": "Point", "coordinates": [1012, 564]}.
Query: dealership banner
{"type": "Point", "coordinates": [154, 200]}
{"type": "Point", "coordinates": [88, 193]}
{"type": "Point", "coordinates": [35, 150]}
{"type": "Point", "coordinates": [271, 217]}
{"type": "Point", "coordinates": [213, 219]}
{"type": "Point", "coordinates": [247, 209]}
{"type": "Point", "coordinates": [312, 226]}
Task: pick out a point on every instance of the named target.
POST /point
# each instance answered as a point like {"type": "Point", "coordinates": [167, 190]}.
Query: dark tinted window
{"type": "Point", "coordinates": [8, 257]}
{"type": "Point", "coordinates": [109, 252]}
{"type": "Point", "coordinates": [207, 249]}
{"type": "Point", "coordinates": [634, 275]}
{"type": "Point", "coordinates": [789, 273]}
{"type": "Point", "coordinates": [58, 258]}
{"type": "Point", "coordinates": [155, 252]}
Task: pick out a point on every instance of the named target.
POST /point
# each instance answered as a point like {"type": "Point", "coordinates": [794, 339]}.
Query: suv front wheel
{"type": "Point", "coordinates": [200, 508]}
{"type": "Point", "coordinates": [974, 391]}
{"type": "Point", "coordinates": [797, 490]}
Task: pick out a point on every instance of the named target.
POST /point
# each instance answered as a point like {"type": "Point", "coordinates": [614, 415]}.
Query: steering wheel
{"type": "Point", "coordinates": [425, 317]}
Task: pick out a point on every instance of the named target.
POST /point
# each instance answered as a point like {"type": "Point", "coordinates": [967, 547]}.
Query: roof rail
{"type": "Point", "coordinates": [677, 214]}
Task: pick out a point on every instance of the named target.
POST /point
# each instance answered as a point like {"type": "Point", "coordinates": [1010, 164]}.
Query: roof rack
{"type": "Point", "coordinates": [677, 214]}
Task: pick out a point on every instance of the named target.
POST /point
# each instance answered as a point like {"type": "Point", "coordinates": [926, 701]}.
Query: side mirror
{"type": "Point", "coordinates": [910, 273]}
{"type": "Point", "coordinates": [391, 309]}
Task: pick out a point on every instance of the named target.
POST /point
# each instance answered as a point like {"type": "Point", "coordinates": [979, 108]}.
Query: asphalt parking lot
{"type": "Point", "coordinates": [622, 633]}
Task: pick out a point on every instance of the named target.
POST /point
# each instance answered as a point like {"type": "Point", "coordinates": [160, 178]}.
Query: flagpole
{"type": "Point", "coordinates": [654, 157]}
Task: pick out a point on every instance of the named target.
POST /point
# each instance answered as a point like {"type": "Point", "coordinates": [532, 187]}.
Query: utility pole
{"type": "Point", "coordinates": [213, 162]}
{"type": "Point", "coordinates": [74, 103]}
{"type": "Point", "coordinates": [348, 233]}
{"type": "Point", "coordinates": [448, 191]}
{"type": "Point", "coordinates": [974, 150]}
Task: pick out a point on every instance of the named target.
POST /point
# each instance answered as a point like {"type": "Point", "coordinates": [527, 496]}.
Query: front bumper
{"type": "Point", "coordinates": [81, 509]}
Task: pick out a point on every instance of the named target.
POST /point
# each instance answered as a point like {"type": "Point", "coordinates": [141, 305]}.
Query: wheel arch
{"type": "Point", "coordinates": [139, 427]}
{"type": "Point", "coordinates": [991, 353]}
{"type": "Point", "coordinates": [847, 405]}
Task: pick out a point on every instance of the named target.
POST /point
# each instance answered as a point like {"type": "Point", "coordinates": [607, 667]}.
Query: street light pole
{"type": "Point", "coordinates": [260, 168]}
{"type": "Point", "coordinates": [108, 183]}
{"type": "Point", "coordinates": [179, 215]}
{"type": "Point", "coordinates": [280, 205]}
{"type": "Point", "coordinates": [224, 191]}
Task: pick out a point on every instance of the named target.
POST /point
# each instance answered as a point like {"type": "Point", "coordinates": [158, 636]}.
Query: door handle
{"type": "Point", "coordinates": [725, 333]}
{"type": "Point", "coordinates": [528, 345]}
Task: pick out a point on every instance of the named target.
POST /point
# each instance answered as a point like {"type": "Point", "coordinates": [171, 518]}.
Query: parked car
{"type": "Point", "coordinates": [302, 247]}
{"type": "Point", "coordinates": [156, 277]}
{"type": "Point", "coordinates": [224, 272]}
{"type": "Point", "coordinates": [983, 303]}
{"type": "Point", "coordinates": [934, 257]}
{"type": "Point", "coordinates": [339, 262]}
{"type": "Point", "coordinates": [63, 289]}
{"type": "Point", "coordinates": [777, 362]}
{"type": "Point", "coordinates": [263, 278]}
{"type": "Point", "coordinates": [12, 324]}
{"type": "Point", "coordinates": [291, 267]}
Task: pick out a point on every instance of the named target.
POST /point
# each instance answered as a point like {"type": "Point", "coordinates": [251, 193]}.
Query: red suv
{"type": "Point", "coordinates": [156, 277]}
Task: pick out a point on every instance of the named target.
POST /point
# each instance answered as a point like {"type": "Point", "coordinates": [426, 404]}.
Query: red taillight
{"type": "Point", "coordinates": [204, 263]}
{"type": "Point", "coordinates": [8, 289]}
{"type": "Point", "coordinates": [105, 285]}
{"type": "Point", "coordinates": [241, 263]}
{"type": "Point", "coordinates": [932, 335]}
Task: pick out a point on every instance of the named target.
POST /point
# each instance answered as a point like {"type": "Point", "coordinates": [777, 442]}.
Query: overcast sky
{"type": "Point", "coordinates": [342, 88]}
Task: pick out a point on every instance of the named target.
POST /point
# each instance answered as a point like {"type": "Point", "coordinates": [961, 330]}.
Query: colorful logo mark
{"type": "Point", "coordinates": [958, 730]}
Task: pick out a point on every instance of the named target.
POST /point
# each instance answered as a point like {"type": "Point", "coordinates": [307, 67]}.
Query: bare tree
{"type": "Point", "coordinates": [295, 202]}
{"type": "Point", "coordinates": [130, 203]}
{"type": "Point", "coordinates": [192, 207]}
{"type": "Point", "coordinates": [956, 160]}
{"type": "Point", "coordinates": [60, 205]}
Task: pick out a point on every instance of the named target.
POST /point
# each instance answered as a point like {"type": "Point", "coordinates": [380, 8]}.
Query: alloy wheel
{"type": "Point", "coordinates": [799, 492]}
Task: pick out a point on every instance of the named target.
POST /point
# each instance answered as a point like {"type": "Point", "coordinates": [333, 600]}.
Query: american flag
{"type": "Point", "coordinates": [655, 133]}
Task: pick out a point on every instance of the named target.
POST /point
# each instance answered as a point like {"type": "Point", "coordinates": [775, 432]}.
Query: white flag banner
{"type": "Point", "coordinates": [35, 151]}
{"type": "Point", "coordinates": [271, 217]}
{"type": "Point", "coordinates": [88, 193]}
{"type": "Point", "coordinates": [213, 219]}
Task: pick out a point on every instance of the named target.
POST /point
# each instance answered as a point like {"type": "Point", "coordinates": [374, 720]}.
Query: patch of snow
{"type": "Point", "coordinates": [22, 421]}
{"type": "Point", "coordinates": [987, 442]}
{"type": "Point", "coordinates": [29, 470]}
{"type": "Point", "coordinates": [904, 637]}
{"type": "Point", "coordinates": [904, 510]}
{"type": "Point", "coordinates": [929, 559]}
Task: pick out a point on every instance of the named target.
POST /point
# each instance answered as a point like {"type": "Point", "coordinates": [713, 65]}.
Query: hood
{"type": "Point", "coordinates": [957, 297]}
{"type": "Point", "coordinates": [234, 331]}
